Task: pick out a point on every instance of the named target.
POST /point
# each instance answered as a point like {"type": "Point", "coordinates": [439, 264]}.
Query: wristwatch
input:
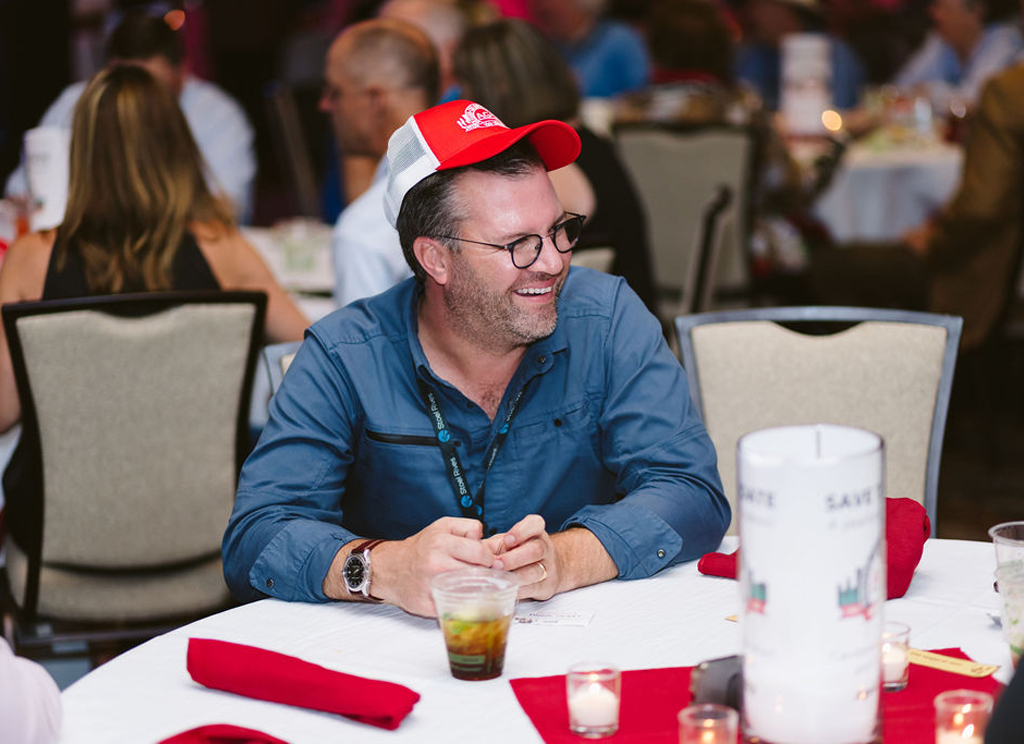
{"type": "Point", "coordinates": [356, 571]}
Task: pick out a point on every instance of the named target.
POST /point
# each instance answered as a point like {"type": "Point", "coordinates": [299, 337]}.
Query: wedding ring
{"type": "Point", "coordinates": [544, 569]}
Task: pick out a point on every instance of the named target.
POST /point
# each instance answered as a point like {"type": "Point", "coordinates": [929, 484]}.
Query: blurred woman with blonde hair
{"type": "Point", "coordinates": [139, 218]}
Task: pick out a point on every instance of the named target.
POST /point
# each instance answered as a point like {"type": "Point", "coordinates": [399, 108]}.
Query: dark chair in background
{"type": "Point", "coordinates": [696, 187]}
{"type": "Point", "coordinates": [292, 146]}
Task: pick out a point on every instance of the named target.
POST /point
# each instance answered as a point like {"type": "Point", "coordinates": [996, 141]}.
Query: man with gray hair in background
{"type": "Point", "coordinates": [444, 22]}
{"type": "Point", "coordinates": [378, 73]}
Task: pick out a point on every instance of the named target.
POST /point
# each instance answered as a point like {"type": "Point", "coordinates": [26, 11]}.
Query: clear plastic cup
{"type": "Point", "coordinates": [475, 608]}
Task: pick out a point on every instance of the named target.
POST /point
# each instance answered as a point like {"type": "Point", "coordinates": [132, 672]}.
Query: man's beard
{"type": "Point", "coordinates": [493, 318]}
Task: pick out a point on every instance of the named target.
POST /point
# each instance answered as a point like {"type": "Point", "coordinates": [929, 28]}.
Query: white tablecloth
{"type": "Point", "coordinates": [673, 619]}
{"type": "Point", "coordinates": [298, 252]}
{"type": "Point", "coordinates": [878, 194]}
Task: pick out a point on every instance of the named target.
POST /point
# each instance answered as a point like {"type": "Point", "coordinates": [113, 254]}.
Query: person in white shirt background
{"type": "Point", "coordinates": [30, 710]}
{"type": "Point", "coordinates": [378, 73]}
{"type": "Point", "coordinates": [970, 41]}
{"type": "Point", "coordinates": [218, 123]}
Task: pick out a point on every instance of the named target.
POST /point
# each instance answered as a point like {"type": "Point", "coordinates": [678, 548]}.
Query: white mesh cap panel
{"type": "Point", "coordinates": [410, 160]}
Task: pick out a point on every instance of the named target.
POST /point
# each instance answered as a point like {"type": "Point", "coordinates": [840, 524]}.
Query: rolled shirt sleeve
{"type": "Point", "coordinates": [674, 508]}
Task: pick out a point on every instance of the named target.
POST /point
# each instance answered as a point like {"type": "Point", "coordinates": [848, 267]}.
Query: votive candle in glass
{"type": "Point", "coordinates": [592, 693]}
{"type": "Point", "coordinates": [708, 723]}
{"type": "Point", "coordinates": [961, 716]}
{"type": "Point", "coordinates": [895, 655]}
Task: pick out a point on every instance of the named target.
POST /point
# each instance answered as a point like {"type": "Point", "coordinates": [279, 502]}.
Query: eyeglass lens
{"type": "Point", "coordinates": [564, 237]}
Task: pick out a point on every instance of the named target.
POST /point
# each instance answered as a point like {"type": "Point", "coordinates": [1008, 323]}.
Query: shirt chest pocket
{"type": "Point", "coordinates": [567, 435]}
{"type": "Point", "coordinates": [393, 456]}
{"type": "Point", "coordinates": [394, 480]}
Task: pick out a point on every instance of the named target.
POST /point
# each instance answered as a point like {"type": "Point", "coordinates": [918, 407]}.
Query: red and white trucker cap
{"type": "Point", "coordinates": [460, 133]}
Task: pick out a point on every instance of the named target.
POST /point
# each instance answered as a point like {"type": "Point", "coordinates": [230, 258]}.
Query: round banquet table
{"type": "Point", "coordinates": [878, 193]}
{"type": "Point", "coordinates": [676, 618]}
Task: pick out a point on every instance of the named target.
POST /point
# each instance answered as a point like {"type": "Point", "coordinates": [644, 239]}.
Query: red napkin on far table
{"type": "Point", "coordinates": [651, 699]}
{"type": "Point", "coordinates": [910, 713]}
{"type": "Point", "coordinates": [222, 733]}
{"type": "Point", "coordinates": [267, 675]}
{"type": "Point", "coordinates": [906, 528]}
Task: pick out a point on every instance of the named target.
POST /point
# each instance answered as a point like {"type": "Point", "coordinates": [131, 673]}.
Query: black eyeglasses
{"type": "Point", "coordinates": [525, 250]}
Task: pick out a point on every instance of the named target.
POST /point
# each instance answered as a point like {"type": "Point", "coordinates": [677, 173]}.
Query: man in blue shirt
{"type": "Point", "coordinates": [609, 57]}
{"type": "Point", "coordinates": [970, 41]}
{"type": "Point", "coordinates": [494, 366]}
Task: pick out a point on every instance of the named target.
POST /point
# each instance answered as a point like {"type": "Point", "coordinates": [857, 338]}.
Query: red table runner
{"type": "Point", "coordinates": [651, 698]}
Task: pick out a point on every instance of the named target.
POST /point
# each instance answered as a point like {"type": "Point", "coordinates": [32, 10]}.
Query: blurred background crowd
{"type": "Point", "coordinates": [918, 153]}
{"type": "Point", "coordinates": [248, 47]}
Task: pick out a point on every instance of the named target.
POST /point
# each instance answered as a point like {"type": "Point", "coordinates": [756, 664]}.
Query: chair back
{"type": "Point", "coordinates": [277, 358]}
{"type": "Point", "coordinates": [137, 407]}
{"type": "Point", "coordinates": [293, 149]}
{"type": "Point", "coordinates": [681, 174]}
{"type": "Point", "coordinates": [887, 371]}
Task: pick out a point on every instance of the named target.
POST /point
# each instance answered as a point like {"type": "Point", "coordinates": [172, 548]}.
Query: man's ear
{"type": "Point", "coordinates": [434, 257]}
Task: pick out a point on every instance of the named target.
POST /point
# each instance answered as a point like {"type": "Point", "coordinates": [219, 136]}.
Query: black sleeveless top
{"type": "Point", "coordinates": [189, 270]}
{"type": "Point", "coordinates": [23, 476]}
{"type": "Point", "coordinates": [618, 218]}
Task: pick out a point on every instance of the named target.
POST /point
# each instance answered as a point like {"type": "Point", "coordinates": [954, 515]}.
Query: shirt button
{"type": "Point", "coordinates": [541, 359]}
{"type": "Point", "coordinates": [661, 553]}
{"type": "Point", "coordinates": [270, 583]}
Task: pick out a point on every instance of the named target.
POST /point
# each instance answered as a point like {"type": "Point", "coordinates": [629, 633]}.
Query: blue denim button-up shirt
{"type": "Point", "coordinates": [605, 438]}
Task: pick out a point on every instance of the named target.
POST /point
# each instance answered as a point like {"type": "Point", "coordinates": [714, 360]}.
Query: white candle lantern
{"type": "Point", "coordinates": [806, 89]}
{"type": "Point", "coordinates": [812, 582]}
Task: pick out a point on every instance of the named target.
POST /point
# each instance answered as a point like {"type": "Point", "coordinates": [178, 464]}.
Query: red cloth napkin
{"type": "Point", "coordinates": [906, 528]}
{"type": "Point", "coordinates": [222, 733]}
{"type": "Point", "coordinates": [651, 699]}
{"type": "Point", "coordinates": [267, 675]}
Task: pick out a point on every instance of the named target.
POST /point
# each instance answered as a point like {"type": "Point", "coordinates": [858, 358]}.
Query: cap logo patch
{"type": "Point", "coordinates": [476, 116]}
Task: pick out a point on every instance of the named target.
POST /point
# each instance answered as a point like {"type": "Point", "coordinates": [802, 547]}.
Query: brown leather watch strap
{"type": "Point", "coordinates": [364, 548]}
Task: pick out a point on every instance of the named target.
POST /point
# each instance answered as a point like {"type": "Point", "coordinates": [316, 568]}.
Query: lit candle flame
{"type": "Point", "coordinates": [832, 120]}
{"type": "Point", "coordinates": [175, 19]}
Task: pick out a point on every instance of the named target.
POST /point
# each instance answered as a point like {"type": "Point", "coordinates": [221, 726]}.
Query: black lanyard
{"type": "Point", "coordinates": [472, 507]}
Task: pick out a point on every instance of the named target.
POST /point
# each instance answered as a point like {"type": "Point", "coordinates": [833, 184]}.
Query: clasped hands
{"type": "Point", "coordinates": [402, 569]}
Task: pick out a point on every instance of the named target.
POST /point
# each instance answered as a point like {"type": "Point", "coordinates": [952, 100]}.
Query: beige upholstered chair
{"type": "Point", "coordinates": [887, 371]}
{"type": "Point", "coordinates": [681, 175]}
{"type": "Point", "coordinates": [137, 407]}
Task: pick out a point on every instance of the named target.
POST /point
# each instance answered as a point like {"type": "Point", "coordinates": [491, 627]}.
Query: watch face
{"type": "Point", "coordinates": [355, 572]}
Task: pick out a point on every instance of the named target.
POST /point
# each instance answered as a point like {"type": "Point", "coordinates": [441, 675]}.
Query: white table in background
{"type": "Point", "coordinates": [880, 192]}
{"type": "Point", "coordinates": [298, 253]}
{"type": "Point", "coordinates": [676, 618]}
